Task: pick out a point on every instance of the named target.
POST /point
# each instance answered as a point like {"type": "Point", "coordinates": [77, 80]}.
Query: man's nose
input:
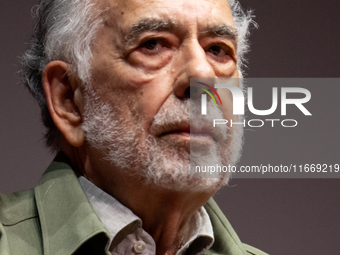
{"type": "Point", "coordinates": [193, 63]}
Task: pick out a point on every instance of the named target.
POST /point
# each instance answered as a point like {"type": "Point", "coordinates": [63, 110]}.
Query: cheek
{"type": "Point", "coordinates": [153, 96]}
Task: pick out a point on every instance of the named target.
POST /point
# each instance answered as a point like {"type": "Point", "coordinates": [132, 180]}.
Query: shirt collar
{"type": "Point", "coordinates": [200, 231]}
{"type": "Point", "coordinates": [111, 212]}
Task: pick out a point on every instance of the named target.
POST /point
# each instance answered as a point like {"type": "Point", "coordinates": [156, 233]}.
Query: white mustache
{"type": "Point", "coordinates": [178, 113]}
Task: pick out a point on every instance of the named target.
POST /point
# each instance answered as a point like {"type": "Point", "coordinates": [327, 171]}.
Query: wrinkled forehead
{"type": "Point", "coordinates": [183, 13]}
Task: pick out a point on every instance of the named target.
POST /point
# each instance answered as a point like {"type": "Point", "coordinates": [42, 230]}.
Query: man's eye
{"type": "Point", "coordinates": [150, 44]}
{"type": "Point", "coordinates": [219, 51]}
{"type": "Point", "coordinates": [154, 46]}
{"type": "Point", "coordinates": [215, 49]}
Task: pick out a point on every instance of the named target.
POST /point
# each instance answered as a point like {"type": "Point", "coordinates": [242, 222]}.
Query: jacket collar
{"type": "Point", "coordinates": [226, 240]}
{"type": "Point", "coordinates": [66, 216]}
{"type": "Point", "coordinates": [68, 220]}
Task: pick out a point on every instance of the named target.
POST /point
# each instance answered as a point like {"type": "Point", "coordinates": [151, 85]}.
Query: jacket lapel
{"type": "Point", "coordinates": [66, 216]}
{"type": "Point", "coordinates": [226, 240]}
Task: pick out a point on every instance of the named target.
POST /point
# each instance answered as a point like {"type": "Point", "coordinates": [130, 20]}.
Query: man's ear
{"type": "Point", "coordinates": [64, 99]}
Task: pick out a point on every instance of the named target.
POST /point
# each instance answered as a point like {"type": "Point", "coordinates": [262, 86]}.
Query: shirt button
{"type": "Point", "coordinates": [139, 247]}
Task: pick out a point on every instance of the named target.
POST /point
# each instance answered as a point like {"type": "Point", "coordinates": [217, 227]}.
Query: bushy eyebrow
{"type": "Point", "coordinates": [154, 24]}
{"type": "Point", "coordinates": [225, 31]}
{"type": "Point", "coordinates": [148, 24]}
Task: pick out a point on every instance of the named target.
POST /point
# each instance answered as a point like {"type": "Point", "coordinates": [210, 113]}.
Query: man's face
{"type": "Point", "coordinates": [137, 107]}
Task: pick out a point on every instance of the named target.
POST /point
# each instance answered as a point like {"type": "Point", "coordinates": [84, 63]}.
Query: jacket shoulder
{"type": "Point", "coordinates": [252, 250]}
{"type": "Point", "coordinates": [20, 231]}
{"type": "Point", "coordinates": [17, 207]}
{"type": "Point", "coordinates": [226, 238]}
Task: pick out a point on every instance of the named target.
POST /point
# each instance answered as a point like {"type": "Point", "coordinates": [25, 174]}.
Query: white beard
{"type": "Point", "coordinates": [164, 163]}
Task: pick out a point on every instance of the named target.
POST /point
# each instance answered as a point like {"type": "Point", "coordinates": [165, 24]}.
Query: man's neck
{"type": "Point", "coordinates": [164, 213]}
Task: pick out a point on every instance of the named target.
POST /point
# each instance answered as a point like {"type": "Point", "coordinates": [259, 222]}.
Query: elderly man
{"type": "Point", "coordinates": [112, 79]}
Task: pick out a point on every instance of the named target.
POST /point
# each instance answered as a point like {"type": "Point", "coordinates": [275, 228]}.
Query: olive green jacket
{"type": "Point", "coordinates": [56, 218]}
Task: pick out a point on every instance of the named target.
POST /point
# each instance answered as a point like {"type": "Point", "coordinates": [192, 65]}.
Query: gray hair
{"type": "Point", "coordinates": [65, 31]}
{"type": "Point", "coordinates": [243, 21]}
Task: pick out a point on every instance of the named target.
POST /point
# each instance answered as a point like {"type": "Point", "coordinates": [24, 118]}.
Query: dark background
{"type": "Point", "coordinates": [280, 216]}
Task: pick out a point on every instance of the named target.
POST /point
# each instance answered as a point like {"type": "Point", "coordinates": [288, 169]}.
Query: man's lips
{"type": "Point", "coordinates": [193, 134]}
{"type": "Point", "coordinates": [181, 129]}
